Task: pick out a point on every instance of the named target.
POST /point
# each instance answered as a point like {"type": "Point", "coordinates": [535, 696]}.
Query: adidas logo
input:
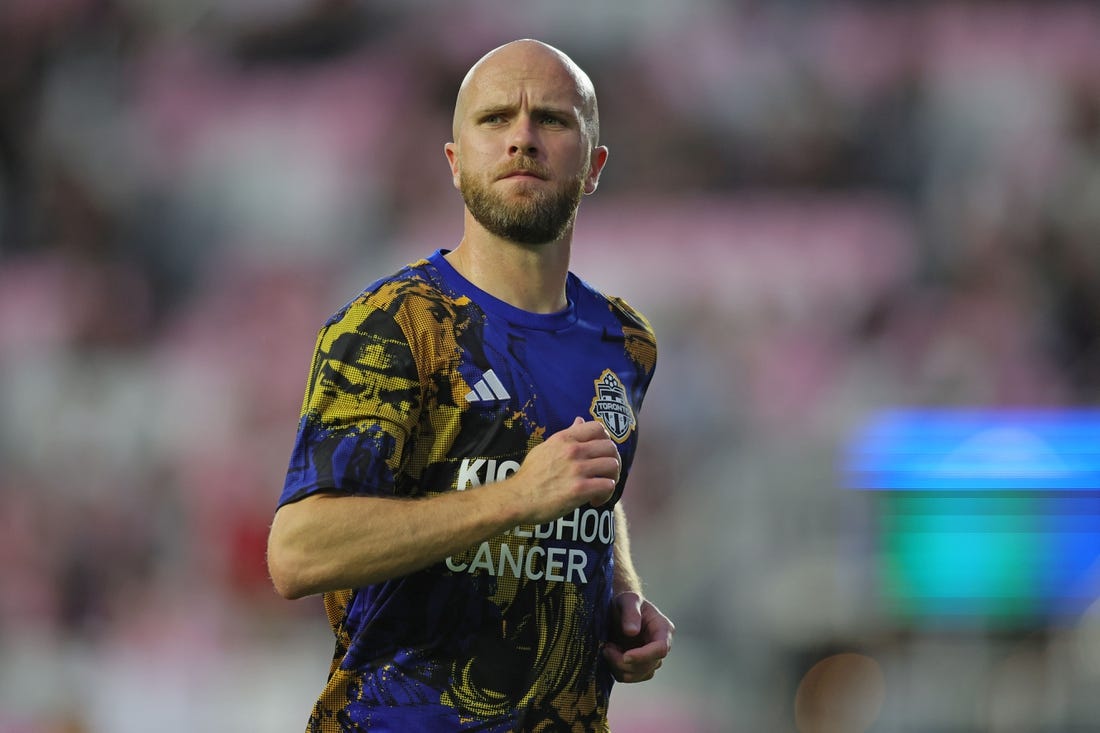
{"type": "Point", "coordinates": [487, 389]}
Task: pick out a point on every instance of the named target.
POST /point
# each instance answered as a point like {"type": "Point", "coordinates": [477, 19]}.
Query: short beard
{"type": "Point", "coordinates": [535, 217]}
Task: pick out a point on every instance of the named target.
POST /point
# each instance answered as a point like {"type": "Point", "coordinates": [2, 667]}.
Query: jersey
{"type": "Point", "coordinates": [426, 384]}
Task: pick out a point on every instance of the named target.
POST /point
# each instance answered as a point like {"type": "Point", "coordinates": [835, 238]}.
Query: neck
{"type": "Point", "coordinates": [528, 276]}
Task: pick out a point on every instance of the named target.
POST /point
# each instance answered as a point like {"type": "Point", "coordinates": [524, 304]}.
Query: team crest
{"type": "Point", "coordinates": [611, 407]}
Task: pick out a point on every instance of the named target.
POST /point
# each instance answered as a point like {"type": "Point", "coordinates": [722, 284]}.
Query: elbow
{"type": "Point", "coordinates": [286, 583]}
{"type": "Point", "coordinates": [285, 576]}
{"type": "Point", "coordinates": [287, 567]}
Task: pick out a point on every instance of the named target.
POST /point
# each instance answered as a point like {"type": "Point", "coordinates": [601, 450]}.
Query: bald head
{"type": "Point", "coordinates": [526, 59]}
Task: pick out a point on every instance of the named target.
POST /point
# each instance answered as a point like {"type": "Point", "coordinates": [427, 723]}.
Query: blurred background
{"type": "Point", "coordinates": [868, 237]}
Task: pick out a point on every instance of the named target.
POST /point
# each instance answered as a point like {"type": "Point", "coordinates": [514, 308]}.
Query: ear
{"type": "Point", "coordinates": [596, 164]}
{"type": "Point", "coordinates": [451, 151]}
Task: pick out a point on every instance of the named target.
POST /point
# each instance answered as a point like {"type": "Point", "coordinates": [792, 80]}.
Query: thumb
{"type": "Point", "coordinates": [630, 613]}
{"type": "Point", "coordinates": [578, 420]}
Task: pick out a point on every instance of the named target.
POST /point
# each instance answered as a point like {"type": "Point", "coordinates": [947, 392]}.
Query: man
{"type": "Point", "coordinates": [466, 434]}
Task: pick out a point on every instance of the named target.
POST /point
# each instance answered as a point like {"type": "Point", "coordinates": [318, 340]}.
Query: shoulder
{"type": "Point", "coordinates": [387, 294]}
{"type": "Point", "coordinates": [411, 317]}
{"type": "Point", "coordinates": [636, 329]}
{"type": "Point", "coordinates": [413, 298]}
{"type": "Point", "coordinates": [618, 308]}
{"type": "Point", "coordinates": [630, 316]}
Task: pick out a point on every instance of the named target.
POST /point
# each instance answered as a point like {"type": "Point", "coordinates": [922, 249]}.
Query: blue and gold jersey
{"type": "Point", "coordinates": [425, 384]}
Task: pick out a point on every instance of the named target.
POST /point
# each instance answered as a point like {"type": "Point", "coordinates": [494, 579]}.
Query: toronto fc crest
{"type": "Point", "coordinates": [611, 407]}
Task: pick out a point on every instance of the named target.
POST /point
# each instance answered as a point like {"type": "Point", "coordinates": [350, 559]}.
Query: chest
{"type": "Point", "coordinates": [553, 377]}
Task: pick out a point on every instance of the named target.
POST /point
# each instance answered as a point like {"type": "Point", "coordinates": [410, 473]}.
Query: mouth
{"type": "Point", "coordinates": [523, 174]}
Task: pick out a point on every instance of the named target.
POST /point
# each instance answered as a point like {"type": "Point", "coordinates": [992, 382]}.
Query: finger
{"type": "Point", "coordinates": [660, 624]}
{"type": "Point", "coordinates": [596, 448]}
{"type": "Point", "coordinates": [589, 429]}
{"type": "Point", "coordinates": [650, 653]}
{"type": "Point", "coordinates": [647, 674]}
{"type": "Point", "coordinates": [598, 492]}
{"type": "Point", "coordinates": [641, 672]}
{"type": "Point", "coordinates": [606, 433]}
{"type": "Point", "coordinates": [630, 613]}
{"type": "Point", "coordinates": [604, 467]}
{"type": "Point", "coordinates": [595, 460]}
{"type": "Point", "coordinates": [615, 659]}
{"type": "Point", "coordinates": [625, 669]}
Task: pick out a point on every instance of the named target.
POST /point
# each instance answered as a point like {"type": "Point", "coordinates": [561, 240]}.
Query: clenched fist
{"type": "Point", "coordinates": [575, 466]}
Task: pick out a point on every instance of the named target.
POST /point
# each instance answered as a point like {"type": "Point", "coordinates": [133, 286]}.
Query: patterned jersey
{"type": "Point", "coordinates": [425, 384]}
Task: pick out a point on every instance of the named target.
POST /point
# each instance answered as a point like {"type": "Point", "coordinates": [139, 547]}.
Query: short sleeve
{"type": "Point", "coordinates": [361, 405]}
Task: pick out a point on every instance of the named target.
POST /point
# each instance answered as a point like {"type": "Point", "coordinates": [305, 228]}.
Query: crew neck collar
{"type": "Point", "coordinates": [497, 307]}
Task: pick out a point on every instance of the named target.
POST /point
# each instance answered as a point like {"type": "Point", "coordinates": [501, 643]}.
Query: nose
{"type": "Point", "coordinates": [524, 138]}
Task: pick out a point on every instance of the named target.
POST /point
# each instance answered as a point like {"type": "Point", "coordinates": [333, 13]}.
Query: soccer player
{"type": "Point", "coordinates": [465, 437]}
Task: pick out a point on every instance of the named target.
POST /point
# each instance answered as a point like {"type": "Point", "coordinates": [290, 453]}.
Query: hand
{"type": "Point", "coordinates": [641, 637]}
{"type": "Point", "coordinates": [575, 466]}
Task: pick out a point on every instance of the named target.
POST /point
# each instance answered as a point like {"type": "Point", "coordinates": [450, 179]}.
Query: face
{"type": "Point", "coordinates": [528, 208]}
{"type": "Point", "coordinates": [523, 153]}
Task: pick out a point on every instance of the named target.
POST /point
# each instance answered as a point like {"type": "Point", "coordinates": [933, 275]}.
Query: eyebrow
{"type": "Point", "coordinates": [563, 112]}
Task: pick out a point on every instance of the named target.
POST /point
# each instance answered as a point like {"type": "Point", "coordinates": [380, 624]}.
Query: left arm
{"type": "Point", "coordinates": [641, 636]}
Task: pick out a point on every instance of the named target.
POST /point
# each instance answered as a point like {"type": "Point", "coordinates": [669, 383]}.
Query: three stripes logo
{"type": "Point", "coordinates": [487, 389]}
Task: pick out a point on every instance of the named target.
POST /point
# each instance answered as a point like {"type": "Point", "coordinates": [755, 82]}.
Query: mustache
{"type": "Point", "coordinates": [524, 165]}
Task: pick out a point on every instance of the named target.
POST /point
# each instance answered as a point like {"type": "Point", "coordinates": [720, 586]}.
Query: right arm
{"type": "Point", "coordinates": [330, 542]}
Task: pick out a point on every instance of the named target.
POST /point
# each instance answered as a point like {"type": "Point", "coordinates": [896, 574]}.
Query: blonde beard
{"type": "Point", "coordinates": [536, 218]}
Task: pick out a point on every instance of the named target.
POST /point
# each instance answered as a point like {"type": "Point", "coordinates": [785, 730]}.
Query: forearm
{"type": "Point", "coordinates": [626, 577]}
{"type": "Point", "coordinates": [331, 542]}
